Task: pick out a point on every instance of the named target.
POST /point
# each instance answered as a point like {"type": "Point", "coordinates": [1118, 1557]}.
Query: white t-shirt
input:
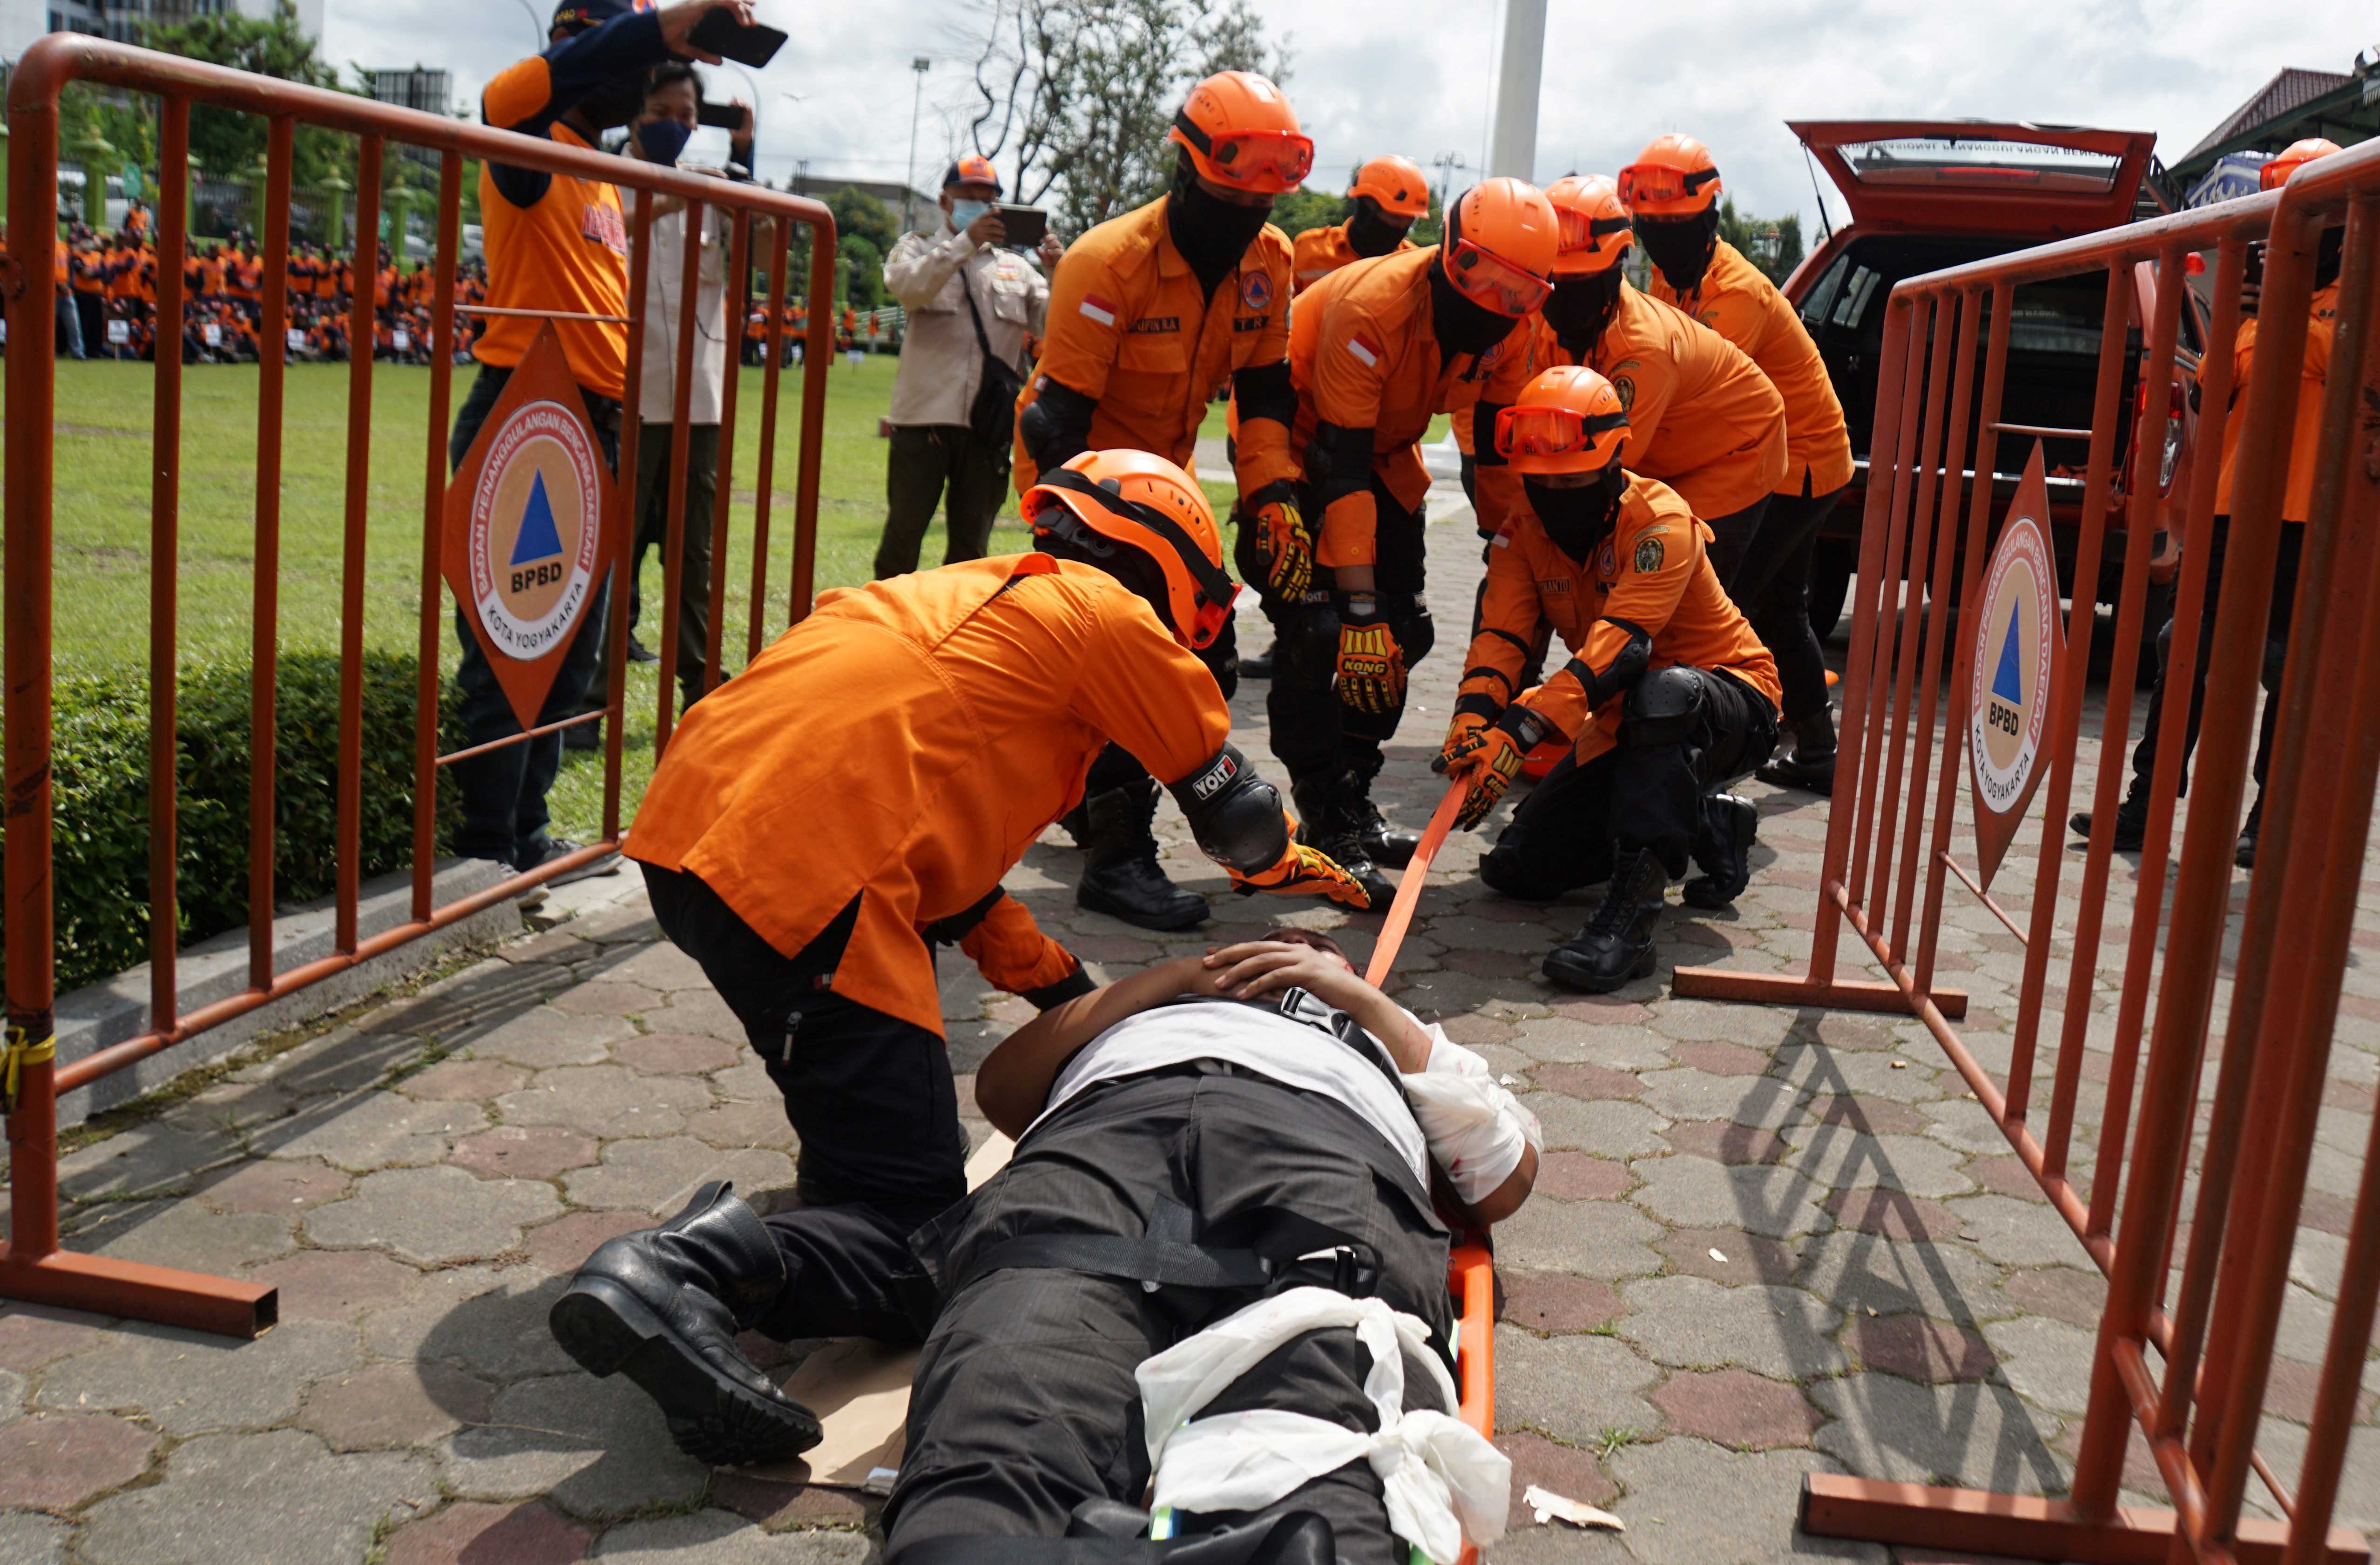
{"type": "Point", "coordinates": [1272, 1046]}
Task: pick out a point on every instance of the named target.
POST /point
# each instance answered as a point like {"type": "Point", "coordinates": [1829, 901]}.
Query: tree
{"type": "Point", "coordinates": [1774, 244]}
{"type": "Point", "coordinates": [227, 142]}
{"type": "Point", "coordinates": [1078, 94]}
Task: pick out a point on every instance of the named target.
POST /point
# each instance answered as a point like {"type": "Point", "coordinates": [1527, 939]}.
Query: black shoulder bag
{"type": "Point", "coordinates": [993, 416]}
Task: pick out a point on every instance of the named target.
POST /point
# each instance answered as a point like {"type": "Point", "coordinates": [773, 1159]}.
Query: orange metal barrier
{"type": "Point", "coordinates": [33, 1266]}
{"type": "Point", "coordinates": [2189, 1368]}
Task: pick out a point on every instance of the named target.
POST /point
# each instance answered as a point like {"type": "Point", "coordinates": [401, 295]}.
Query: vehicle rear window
{"type": "Point", "coordinates": [2015, 166]}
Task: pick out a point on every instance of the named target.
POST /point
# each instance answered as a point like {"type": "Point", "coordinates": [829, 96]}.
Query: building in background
{"type": "Point", "coordinates": [2342, 105]}
{"type": "Point", "coordinates": [23, 21]}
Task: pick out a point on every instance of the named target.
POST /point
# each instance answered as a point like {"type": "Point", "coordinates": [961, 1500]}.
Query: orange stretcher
{"type": "Point", "coordinates": [1471, 1267]}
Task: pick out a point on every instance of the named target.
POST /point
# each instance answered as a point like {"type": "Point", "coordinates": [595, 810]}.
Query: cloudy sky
{"type": "Point", "coordinates": [1414, 76]}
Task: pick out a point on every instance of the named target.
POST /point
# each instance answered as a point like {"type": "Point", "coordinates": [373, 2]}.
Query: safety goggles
{"type": "Point", "coordinates": [1276, 160]}
{"type": "Point", "coordinates": [1215, 591]}
{"type": "Point", "coordinates": [1490, 281]}
{"type": "Point", "coordinates": [1580, 232]}
{"type": "Point", "coordinates": [1552, 431]}
{"type": "Point", "coordinates": [1642, 183]}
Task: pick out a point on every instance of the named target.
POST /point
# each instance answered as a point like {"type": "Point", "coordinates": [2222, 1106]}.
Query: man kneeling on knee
{"type": "Point", "coordinates": [1668, 695]}
{"type": "Point", "coordinates": [1213, 1266]}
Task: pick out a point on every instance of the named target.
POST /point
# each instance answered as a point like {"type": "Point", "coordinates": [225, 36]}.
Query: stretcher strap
{"type": "Point", "coordinates": [1400, 911]}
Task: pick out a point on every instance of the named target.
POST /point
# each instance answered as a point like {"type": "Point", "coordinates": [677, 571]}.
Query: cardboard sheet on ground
{"type": "Point", "coordinates": [860, 1389]}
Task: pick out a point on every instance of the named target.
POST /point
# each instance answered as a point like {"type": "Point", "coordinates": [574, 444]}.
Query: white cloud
{"type": "Point", "coordinates": [1410, 76]}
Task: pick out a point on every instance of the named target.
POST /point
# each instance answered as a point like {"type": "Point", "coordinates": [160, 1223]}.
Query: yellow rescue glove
{"type": "Point", "coordinates": [1489, 759]}
{"type": "Point", "coordinates": [1462, 735]}
{"type": "Point", "coordinates": [1371, 664]}
{"type": "Point", "coordinates": [1283, 544]}
{"type": "Point", "coordinates": [1303, 871]}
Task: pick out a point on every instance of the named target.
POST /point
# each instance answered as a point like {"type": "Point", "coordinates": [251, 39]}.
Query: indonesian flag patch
{"type": "Point", "coordinates": [1365, 350]}
{"type": "Point", "coordinates": [1098, 310]}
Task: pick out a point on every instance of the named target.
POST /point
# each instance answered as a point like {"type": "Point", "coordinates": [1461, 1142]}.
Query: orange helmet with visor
{"type": "Point", "coordinates": [1241, 132]}
{"type": "Point", "coordinates": [1672, 177]}
{"type": "Point", "coordinates": [1567, 420]}
{"type": "Point", "coordinates": [1147, 504]}
{"type": "Point", "coordinates": [1501, 239]}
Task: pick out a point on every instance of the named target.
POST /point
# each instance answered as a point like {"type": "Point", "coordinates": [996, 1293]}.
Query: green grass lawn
{"type": "Point", "coordinates": [104, 558]}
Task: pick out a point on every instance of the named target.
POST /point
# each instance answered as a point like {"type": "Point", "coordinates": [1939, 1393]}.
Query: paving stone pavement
{"type": "Point", "coordinates": [1766, 1242]}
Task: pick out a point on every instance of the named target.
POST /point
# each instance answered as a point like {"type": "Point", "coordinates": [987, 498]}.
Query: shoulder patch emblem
{"type": "Point", "coordinates": [1256, 291]}
{"type": "Point", "coordinates": [1605, 566]}
{"type": "Point", "coordinates": [1625, 387]}
{"type": "Point", "coordinates": [1650, 555]}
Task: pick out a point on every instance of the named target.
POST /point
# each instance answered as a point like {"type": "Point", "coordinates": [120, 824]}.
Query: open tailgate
{"type": "Point", "coordinates": [1980, 176]}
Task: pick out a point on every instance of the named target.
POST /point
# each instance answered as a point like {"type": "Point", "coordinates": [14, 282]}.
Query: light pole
{"type": "Point", "coordinates": [536, 24]}
{"type": "Point", "coordinates": [1446, 163]}
{"type": "Point", "coordinates": [917, 101]}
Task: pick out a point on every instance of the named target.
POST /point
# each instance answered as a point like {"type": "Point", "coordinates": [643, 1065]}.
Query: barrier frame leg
{"type": "Point", "coordinates": [1801, 988]}
{"type": "Point", "coordinates": [222, 1306]}
{"type": "Point", "coordinates": [1970, 1522]}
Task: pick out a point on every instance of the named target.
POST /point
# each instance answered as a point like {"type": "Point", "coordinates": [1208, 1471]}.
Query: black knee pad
{"type": "Point", "coordinates": [1664, 706]}
{"type": "Point", "coordinates": [1305, 642]}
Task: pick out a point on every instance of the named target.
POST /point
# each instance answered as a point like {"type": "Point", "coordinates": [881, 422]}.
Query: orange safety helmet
{"type": "Point", "coordinates": [1147, 504]}
{"type": "Point", "coordinates": [1501, 238]}
{"type": "Point", "coordinates": [1672, 177]}
{"type": "Point", "coordinates": [1567, 420]}
{"type": "Point", "coordinates": [1595, 232]}
{"type": "Point", "coordinates": [1396, 183]}
{"type": "Point", "coordinates": [1240, 131]}
{"type": "Point", "coordinates": [2276, 173]}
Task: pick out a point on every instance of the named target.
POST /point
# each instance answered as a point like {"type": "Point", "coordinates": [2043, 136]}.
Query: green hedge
{"type": "Point", "coordinates": [100, 790]}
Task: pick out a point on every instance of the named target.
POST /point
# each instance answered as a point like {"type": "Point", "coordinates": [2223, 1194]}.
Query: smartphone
{"type": "Point", "coordinates": [720, 33]}
{"type": "Point", "coordinates": [1025, 226]}
{"type": "Point", "coordinates": [721, 116]}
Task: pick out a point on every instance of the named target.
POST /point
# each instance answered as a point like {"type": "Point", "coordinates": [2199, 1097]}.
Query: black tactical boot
{"type": "Point", "coordinates": [1256, 667]}
{"type": "Point", "coordinates": [1121, 879]}
{"type": "Point", "coordinates": [1617, 944]}
{"type": "Point", "coordinates": [1811, 767]}
{"type": "Point", "coordinates": [2131, 823]}
{"type": "Point", "coordinates": [1324, 823]}
{"type": "Point", "coordinates": [1723, 852]}
{"type": "Point", "coordinates": [665, 1305]}
{"type": "Point", "coordinates": [1076, 824]}
{"type": "Point", "coordinates": [1383, 844]}
{"type": "Point", "coordinates": [2244, 856]}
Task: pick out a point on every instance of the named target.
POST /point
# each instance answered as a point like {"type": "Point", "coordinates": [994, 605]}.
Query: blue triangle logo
{"type": "Point", "coordinates": [538, 539]}
{"type": "Point", "coordinates": [2007, 683]}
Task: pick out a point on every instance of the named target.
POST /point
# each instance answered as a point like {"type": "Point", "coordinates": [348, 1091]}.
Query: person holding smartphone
{"type": "Point", "coordinates": [969, 298]}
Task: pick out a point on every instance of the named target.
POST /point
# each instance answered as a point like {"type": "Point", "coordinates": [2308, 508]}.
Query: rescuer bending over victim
{"type": "Point", "coordinates": [1668, 695]}
{"type": "Point", "coordinates": [1213, 1261]}
{"type": "Point", "coordinates": [855, 793]}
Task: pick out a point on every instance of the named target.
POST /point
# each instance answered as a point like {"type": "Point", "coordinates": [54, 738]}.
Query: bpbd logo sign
{"type": "Point", "coordinates": [2018, 646]}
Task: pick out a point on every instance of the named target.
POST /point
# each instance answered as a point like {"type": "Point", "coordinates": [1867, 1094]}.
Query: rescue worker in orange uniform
{"type": "Point", "coordinates": [1389, 195]}
{"type": "Point", "coordinates": [1376, 350]}
{"type": "Point", "coordinates": [1668, 694]}
{"type": "Point", "coordinates": [1675, 211]}
{"type": "Point", "coordinates": [971, 703]}
{"type": "Point", "coordinates": [1150, 314]}
{"type": "Point", "coordinates": [2322, 332]}
{"type": "Point", "coordinates": [1387, 198]}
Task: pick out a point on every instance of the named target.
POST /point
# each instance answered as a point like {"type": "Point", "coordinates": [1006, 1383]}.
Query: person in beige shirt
{"type": "Point", "coordinates": [936, 276]}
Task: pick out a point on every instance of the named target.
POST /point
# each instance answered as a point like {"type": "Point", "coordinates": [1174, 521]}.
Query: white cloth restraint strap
{"type": "Point", "coordinates": [1444, 1482]}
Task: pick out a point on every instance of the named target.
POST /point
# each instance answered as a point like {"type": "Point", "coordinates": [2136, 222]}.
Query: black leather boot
{"type": "Point", "coordinates": [1723, 852]}
{"type": "Point", "coordinates": [2131, 823]}
{"type": "Point", "coordinates": [1383, 844]}
{"type": "Point", "coordinates": [2244, 856]}
{"type": "Point", "coordinates": [1811, 767]}
{"type": "Point", "coordinates": [1123, 880]}
{"type": "Point", "coordinates": [1617, 944]}
{"type": "Point", "coordinates": [1323, 822]}
{"type": "Point", "coordinates": [1256, 667]}
{"type": "Point", "coordinates": [1076, 824]}
{"type": "Point", "coordinates": [665, 1305]}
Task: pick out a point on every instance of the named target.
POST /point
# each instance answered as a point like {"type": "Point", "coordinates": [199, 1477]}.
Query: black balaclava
{"type": "Point", "coordinates": [2330, 257]}
{"type": "Point", "coordinates": [1681, 247]}
{"type": "Point", "coordinates": [1211, 233]}
{"type": "Point", "coordinates": [1578, 520]}
{"type": "Point", "coordinates": [1462, 326]}
{"type": "Point", "coordinates": [1580, 308]}
{"type": "Point", "coordinates": [1369, 233]}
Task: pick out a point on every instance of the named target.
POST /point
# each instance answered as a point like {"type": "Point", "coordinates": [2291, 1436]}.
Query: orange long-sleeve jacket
{"type": "Point", "coordinates": [1736, 299]}
{"type": "Point", "coordinates": [1132, 328]}
{"type": "Point", "coordinates": [2321, 332]}
{"type": "Point", "coordinates": [1364, 354]}
{"type": "Point", "coordinates": [906, 743]}
{"type": "Point", "coordinates": [1319, 252]}
{"type": "Point", "coordinates": [1650, 573]}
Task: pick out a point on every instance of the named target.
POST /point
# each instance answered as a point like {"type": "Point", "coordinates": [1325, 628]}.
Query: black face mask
{"type": "Point", "coordinates": [1462, 326]}
{"type": "Point", "coordinates": [1368, 233]}
{"type": "Point", "coordinates": [1578, 520]}
{"type": "Point", "coordinates": [1682, 247]}
{"type": "Point", "coordinates": [614, 103]}
{"type": "Point", "coordinates": [1211, 233]}
{"type": "Point", "coordinates": [1580, 308]}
